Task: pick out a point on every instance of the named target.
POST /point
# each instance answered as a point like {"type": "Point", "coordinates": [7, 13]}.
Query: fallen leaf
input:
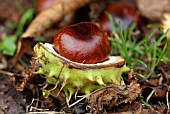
{"type": "Point", "coordinates": [133, 108]}
{"type": "Point", "coordinates": [158, 109]}
{"type": "Point", "coordinates": [113, 96]}
{"type": "Point", "coordinates": [20, 80]}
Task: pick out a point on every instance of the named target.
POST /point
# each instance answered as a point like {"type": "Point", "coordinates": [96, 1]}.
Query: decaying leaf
{"type": "Point", "coordinates": [133, 108]}
{"type": "Point", "coordinates": [113, 96]}
{"type": "Point", "coordinates": [158, 109]}
{"type": "Point", "coordinates": [44, 20]}
{"type": "Point", "coordinates": [20, 80]}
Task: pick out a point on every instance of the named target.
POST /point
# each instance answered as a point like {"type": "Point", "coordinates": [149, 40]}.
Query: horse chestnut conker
{"type": "Point", "coordinates": [83, 43]}
{"type": "Point", "coordinates": [120, 12]}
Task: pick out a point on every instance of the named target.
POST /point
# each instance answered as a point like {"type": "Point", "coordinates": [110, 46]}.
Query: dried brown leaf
{"type": "Point", "coordinates": [20, 80]}
{"type": "Point", "coordinates": [157, 109]}
{"type": "Point", "coordinates": [133, 108]}
{"type": "Point", "coordinates": [113, 96]}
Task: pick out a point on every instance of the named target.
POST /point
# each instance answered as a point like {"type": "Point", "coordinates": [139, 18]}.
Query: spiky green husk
{"type": "Point", "coordinates": [75, 77]}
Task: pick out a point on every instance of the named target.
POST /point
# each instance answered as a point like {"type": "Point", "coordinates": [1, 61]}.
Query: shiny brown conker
{"type": "Point", "coordinates": [83, 43]}
{"type": "Point", "coordinates": [122, 12]}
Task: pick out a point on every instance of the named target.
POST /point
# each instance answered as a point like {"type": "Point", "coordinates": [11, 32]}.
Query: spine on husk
{"type": "Point", "coordinates": [72, 78]}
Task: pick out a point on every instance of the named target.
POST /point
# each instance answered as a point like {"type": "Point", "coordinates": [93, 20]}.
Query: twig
{"type": "Point", "coordinates": [38, 109]}
{"type": "Point", "coordinates": [31, 107]}
{"type": "Point", "coordinates": [142, 76]}
{"type": "Point", "coordinates": [37, 103]}
{"type": "Point", "coordinates": [77, 101]}
{"type": "Point", "coordinates": [147, 77]}
{"type": "Point", "coordinates": [6, 73]}
{"type": "Point", "coordinates": [150, 95]}
{"type": "Point", "coordinates": [46, 112]}
{"type": "Point", "coordinates": [167, 99]}
{"type": "Point", "coordinates": [85, 96]}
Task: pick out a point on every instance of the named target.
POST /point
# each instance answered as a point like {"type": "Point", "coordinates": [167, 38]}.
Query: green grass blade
{"type": "Point", "coordinates": [162, 36]}
{"type": "Point", "coordinates": [146, 104]}
{"type": "Point", "coordinates": [139, 61]}
{"type": "Point", "coordinates": [161, 55]}
{"type": "Point", "coordinates": [145, 40]}
{"type": "Point", "coordinates": [27, 16]}
{"type": "Point", "coordinates": [111, 22]}
{"type": "Point", "coordinates": [123, 41]}
{"type": "Point", "coordinates": [153, 64]}
{"type": "Point", "coordinates": [114, 28]}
